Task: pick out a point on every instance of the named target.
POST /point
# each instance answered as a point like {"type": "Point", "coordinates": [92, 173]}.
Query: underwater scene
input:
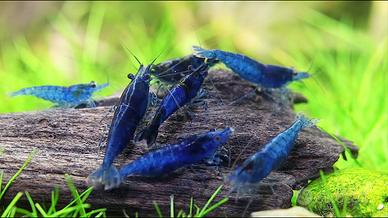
{"type": "Point", "coordinates": [193, 109]}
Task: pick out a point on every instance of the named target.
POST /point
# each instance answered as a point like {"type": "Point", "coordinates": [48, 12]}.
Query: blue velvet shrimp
{"type": "Point", "coordinates": [167, 159]}
{"type": "Point", "coordinates": [172, 71]}
{"type": "Point", "coordinates": [71, 96]}
{"type": "Point", "coordinates": [177, 97]}
{"type": "Point", "coordinates": [127, 116]}
{"type": "Point", "coordinates": [263, 75]}
{"type": "Point", "coordinates": [259, 165]}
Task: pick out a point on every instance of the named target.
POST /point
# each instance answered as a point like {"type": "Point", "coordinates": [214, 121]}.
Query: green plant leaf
{"type": "Point", "coordinates": [11, 208]}
{"type": "Point", "coordinates": [13, 178]}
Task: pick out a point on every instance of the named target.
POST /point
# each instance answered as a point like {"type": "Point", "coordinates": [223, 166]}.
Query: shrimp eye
{"type": "Point", "coordinates": [217, 138]}
{"type": "Point", "coordinates": [93, 84]}
{"type": "Point", "coordinates": [294, 72]}
{"type": "Point", "coordinates": [131, 76]}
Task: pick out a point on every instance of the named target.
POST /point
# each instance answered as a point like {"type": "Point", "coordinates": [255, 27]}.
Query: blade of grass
{"type": "Point", "coordinates": [157, 208]}
{"type": "Point", "coordinates": [214, 206]}
{"type": "Point", "coordinates": [172, 206]}
{"type": "Point", "coordinates": [85, 195]}
{"type": "Point", "coordinates": [191, 207]}
{"type": "Point", "coordinates": [24, 212]}
{"type": "Point", "coordinates": [197, 209]}
{"type": "Point", "coordinates": [31, 202]}
{"type": "Point", "coordinates": [101, 214]}
{"type": "Point", "coordinates": [11, 206]}
{"type": "Point", "coordinates": [210, 200]}
{"type": "Point", "coordinates": [344, 208]}
{"type": "Point", "coordinates": [75, 194]}
{"type": "Point", "coordinates": [102, 210]}
{"type": "Point", "coordinates": [67, 212]}
{"type": "Point", "coordinates": [54, 200]}
{"type": "Point", "coordinates": [180, 213]}
{"type": "Point", "coordinates": [41, 210]}
{"type": "Point", "coordinates": [12, 212]}
{"type": "Point", "coordinates": [294, 198]}
{"type": "Point", "coordinates": [1, 179]}
{"type": "Point", "coordinates": [13, 178]}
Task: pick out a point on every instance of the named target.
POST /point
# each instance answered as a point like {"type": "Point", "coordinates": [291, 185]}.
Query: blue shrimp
{"type": "Point", "coordinates": [71, 96]}
{"type": "Point", "coordinates": [263, 75]}
{"type": "Point", "coordinates": [190, 150]}
{"type": "Point", "coordinates": [129, 112]}
{"type": "Point", "coordinates": [172, 71]}
{"type": "Point", "coordinates": [176, 98]}
{"type": "Point", "coordinates": [260, 165]}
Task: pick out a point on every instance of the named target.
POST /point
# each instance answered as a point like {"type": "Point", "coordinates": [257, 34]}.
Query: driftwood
{"type": "Point", "coordinates": [67, 142]}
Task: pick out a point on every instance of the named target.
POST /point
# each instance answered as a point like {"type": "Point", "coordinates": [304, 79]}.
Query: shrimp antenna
{"type": "Point", "coordinates": [153, 61]}
{"type": "Point", "coordinates": [314, 76]}
{"type": "Point", "coordinates": [107, 78]}
{"type": "Point", "coordinates": [159, 55]}
{"type": "Point", "coordinates": [135, 58]}
{"type": "Point", "coordinates": [163, 74]}
{"type": "Point", "coordinates": [124, 46]}
{"type": "Point", "coordinates": [199, 41]}
{"type": "Point", "coordinates": [308, 70]}
{"type": "Point", "coordinates": [311, 65]}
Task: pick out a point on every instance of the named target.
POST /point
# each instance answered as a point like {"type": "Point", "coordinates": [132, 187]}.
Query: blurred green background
{"type": "Point", "coordinates": [343, 44]}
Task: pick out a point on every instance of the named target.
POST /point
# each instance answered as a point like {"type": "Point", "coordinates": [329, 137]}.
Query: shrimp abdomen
{"type": "Point", "coordinates": [51, 93]}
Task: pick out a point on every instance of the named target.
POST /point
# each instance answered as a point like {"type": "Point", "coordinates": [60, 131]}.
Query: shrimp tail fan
{"type": "Point", "coordinates": [306, 122]}
{"type": "Point", "coordinates": [108, 177]}
{"type": "Point", "coordinates": [149, 134]}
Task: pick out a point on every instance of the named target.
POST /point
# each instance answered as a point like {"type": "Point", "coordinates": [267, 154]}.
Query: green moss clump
{"type": "Point", "coordinates": [355, 191]}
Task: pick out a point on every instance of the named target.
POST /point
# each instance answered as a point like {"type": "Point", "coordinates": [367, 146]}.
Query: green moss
{"type": "Point", "coordinates": [353, 191]}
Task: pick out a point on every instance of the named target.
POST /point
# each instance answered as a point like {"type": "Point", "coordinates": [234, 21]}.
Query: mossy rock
{"type": "Point", "coordinates": [364, 192]}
